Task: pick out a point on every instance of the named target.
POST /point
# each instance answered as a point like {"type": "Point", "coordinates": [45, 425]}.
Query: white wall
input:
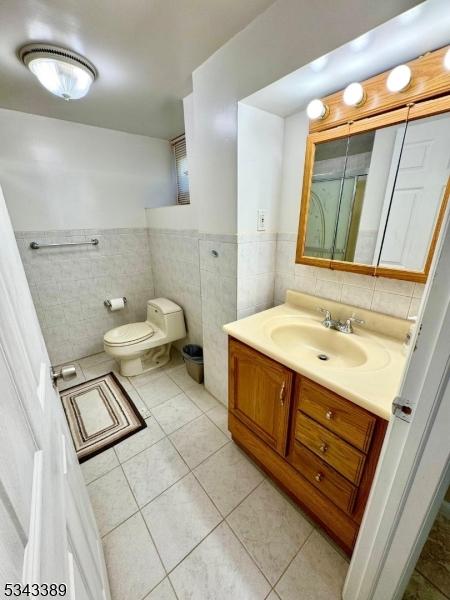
{"type": "Point", "coordinates": [260, 157]}
{"type": "Point", "coordinates": [61, 175]}
{"type": "Point", "coordinates": [180, 217]}
{"type": "Point", "coordinates": [295, 133]}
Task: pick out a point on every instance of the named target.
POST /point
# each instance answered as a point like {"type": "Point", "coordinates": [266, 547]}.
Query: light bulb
{"type": "Point", "coordinates": [316, 109]}
{"type": "Point", "coordinates": [447, 60]}
{"type": "Point", "coordinates": [354, 95]}
{"type": "Point", "coordinates": [63, 79]}
{"type": "Point", "coordinates": [399, 79]}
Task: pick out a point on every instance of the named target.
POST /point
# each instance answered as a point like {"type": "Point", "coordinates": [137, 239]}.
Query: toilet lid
{"type": "Point", "coordinates": [129, 334]}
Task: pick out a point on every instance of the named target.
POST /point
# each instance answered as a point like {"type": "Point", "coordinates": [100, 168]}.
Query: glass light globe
{"type": "Point", "coordinates": [354, 94]}
{"type": "Point", "coordinates": [399, 78]}
{"type": "Point", "coordinates": [316, 109]}
{"type": "Point", "coordinates": [447, 60]}
{"type": "Point", "coordinates": [63, 79]}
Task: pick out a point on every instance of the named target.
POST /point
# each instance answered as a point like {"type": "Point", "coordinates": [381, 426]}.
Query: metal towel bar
{"type": "Point", "coordinates": [37, 245]}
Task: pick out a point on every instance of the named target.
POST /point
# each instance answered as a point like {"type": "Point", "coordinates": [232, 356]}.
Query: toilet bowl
{"type": "Point", "coordinates": [144, 346]}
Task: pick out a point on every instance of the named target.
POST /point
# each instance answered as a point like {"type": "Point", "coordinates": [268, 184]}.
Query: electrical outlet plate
{"type": "Point", "coordinates": [262, 218]}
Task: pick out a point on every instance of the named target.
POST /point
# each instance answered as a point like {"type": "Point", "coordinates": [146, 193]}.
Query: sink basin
{"type": "Point", "coordinates": [312, 343]}
{"type": "Point", "coordinates": [330, 347]}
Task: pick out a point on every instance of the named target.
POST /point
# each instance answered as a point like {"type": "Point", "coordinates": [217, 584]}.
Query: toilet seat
{"type": "Point", "coordinates": [132, 333]}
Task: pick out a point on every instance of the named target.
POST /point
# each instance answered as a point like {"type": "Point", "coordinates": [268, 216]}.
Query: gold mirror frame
{"type": "Point", "coordinates": [410, 113]}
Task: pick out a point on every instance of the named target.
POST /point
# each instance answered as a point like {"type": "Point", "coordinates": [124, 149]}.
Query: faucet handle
{"type": "Point", "coordinates": [355, 320]}
{"type": "Point", "coordinates": [325, 311]}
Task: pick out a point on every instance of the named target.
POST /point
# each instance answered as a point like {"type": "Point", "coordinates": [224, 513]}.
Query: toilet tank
{"type": "Point", "coordinates": [167, 316]}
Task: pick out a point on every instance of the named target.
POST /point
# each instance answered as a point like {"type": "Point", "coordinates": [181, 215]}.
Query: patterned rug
{"type": "Point", "coordinates": [100, 414]}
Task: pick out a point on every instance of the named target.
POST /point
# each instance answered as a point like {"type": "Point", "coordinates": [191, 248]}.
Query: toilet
{"type": "Point", "coordinates": [144, 346]}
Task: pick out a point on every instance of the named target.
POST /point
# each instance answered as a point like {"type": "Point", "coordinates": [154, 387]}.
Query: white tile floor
{"type": "Point", "coordinates": [184, 514]}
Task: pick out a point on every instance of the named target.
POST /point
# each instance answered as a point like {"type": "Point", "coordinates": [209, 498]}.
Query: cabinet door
{"type": "Point", "coordinates": [260, 394]}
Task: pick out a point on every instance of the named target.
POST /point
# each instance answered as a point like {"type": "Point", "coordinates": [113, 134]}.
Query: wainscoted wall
{"type": "Point", "coordinates": [70, 284]}
{"type": "Point", "coordinates": [256, 273]}
{"type": "Point", "coordinates": [176, 273]}
{"type": "Point", "coordinates": [390, 296]}
{"type": "Point", "coordinates": [219, 306]}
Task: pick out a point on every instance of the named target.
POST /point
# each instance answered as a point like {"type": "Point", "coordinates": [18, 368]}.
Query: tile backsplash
{"type": "Point", "coordinates": [390, 296]}
{"type": "Point", "coordinates": [69, 285]}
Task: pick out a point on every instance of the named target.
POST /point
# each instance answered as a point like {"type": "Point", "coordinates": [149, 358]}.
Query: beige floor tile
{"type": "Point", "coordinates": [420, 588]}
{"type": "Point", "coordinates": [228, 476]}
{"type": "Point", "coordinates": [273, 596]}
{"type": "Point", "coordinates": [139, 441]}
{"type": "Point", "coordinates": [181, 377]}
{"type": "Point", "coordinates": [316, 573]}
{"type": "Point", "coordinates": [219, 416]}
{"type": "Point", "coordinates": [219, 569]}
{"type": "Point", "coordinates": [270, 528]}
{"type": "Point", "coordinates": [134, 567]}
{"type": "Point", "coordinates": [154, 470]}
{"type": "Point", "coordinates": [197, 440]}
{"type": "Point", "coordinates": [179, 519]}
{"type": "Point", "coordinates": [202, 398]}
{"type": "Point", "coordinates": [99, 369]}
{"type": "Point", "coordinates": [158, 390]}
{"type": "Point", "coordinates": [99, 465]}
{"type": "Point", "coordinates": [94, 359]}
{"type": "Point", "coordinates": [176, 412]}
{"type": "Point", "coordinates": [143, 409]}
{"type": "Point", "coordinates": [111, 500]}
{"type": "Point", "coordinates": [164, 591]}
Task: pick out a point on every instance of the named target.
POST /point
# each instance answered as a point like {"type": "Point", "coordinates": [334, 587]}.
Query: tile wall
{"type": "Point", "coordinates": [176, 273]}
{"type": "Point", "coordinates": [256, 273]}
{"type": "Point", "coordinates": [219, 306]}
{"type": "Point", "coordinates": [70, 284]}
{"type": "Point", "coordinates": [390, 296]}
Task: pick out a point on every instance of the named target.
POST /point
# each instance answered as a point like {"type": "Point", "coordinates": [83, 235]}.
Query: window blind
{"type": "Point", "coordinates": [182, 171]}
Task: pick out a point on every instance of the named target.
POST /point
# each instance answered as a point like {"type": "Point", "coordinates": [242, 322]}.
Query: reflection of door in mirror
{"type": "Point", "coordinates": [411, 210]}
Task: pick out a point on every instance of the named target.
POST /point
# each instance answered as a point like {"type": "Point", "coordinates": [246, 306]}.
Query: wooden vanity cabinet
{"type": "Point", "coordinates": [321, 448]}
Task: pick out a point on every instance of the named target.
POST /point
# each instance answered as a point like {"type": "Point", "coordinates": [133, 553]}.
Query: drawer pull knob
{"type": "Point", "coordinates": [319, 477]}
{"type": "Point", "coordinates": [329, 415]}
{"type": "Point", "coordinates": [323, 447]}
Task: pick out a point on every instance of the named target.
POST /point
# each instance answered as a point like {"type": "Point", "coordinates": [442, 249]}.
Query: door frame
{"type": "Point", "coordinates": [413, 470]}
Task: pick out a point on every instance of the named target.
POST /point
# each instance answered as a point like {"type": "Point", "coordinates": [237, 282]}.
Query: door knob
{"type": "Point", "coordinates": [65, 373]}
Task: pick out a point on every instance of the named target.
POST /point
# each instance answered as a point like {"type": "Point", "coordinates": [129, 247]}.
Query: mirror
{"type": "Point", "coordinates": [373, 197]}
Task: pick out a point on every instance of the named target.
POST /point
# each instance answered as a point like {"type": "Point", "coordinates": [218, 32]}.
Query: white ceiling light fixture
{"type": "Point", "coordinates": [62, 72]}
{"type": "Point", "coordinates": [399, 79]}
{"type": "Point", "coordinates": [317, 110]}
{"type": "Point", "coordinates": [447, 60]}
{"type": "Point", "coordinates": [354, 94]}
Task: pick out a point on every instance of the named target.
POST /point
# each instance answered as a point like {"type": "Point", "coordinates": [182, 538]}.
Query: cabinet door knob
{"type": "Point", "coordinates": [282, 392]}
{"type": "Point", "coordinates": [318, 477]}
{"type": "Point", "coordinates": [323, 447]}
{"type": "Point", "coordinates": [329, 414]}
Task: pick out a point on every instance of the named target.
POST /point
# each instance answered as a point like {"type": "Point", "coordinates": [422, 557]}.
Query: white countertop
{"type": "Point", "coordinates": [372, 386]}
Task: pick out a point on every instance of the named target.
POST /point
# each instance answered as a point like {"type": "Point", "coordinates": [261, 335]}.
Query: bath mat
{"type": "Point", "coordinates": [100, 414]}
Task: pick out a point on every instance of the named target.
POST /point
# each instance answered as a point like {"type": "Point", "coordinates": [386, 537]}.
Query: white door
{"type": "Point", "coordinates": [419, 187]}
{"type": "Point", "coordinates": [47, 531]}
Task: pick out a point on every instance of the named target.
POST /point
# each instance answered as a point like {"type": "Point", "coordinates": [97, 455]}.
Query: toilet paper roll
{"type": "Point", "coordinates": [117, 304]}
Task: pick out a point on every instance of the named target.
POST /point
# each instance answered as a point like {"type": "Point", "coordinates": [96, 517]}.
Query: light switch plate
{"type": "Point", "coordinates": [262, 218]}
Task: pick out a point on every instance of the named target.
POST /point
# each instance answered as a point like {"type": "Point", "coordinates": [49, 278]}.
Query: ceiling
{"type": "Point", "coordinates": [405, 37]}
{"type": "Point", "coordinates": [144, 50]}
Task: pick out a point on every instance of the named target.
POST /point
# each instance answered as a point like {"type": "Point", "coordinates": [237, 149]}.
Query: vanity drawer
{"type": "Point", "coordinates": [336, 452]}
{"type": "Point", "coordinates": [323, 477]}
{"type": "Point", "coordinates": [344, 418]}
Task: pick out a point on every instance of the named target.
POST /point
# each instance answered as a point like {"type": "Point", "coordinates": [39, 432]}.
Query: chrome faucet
{"type": "Point", "coordinates": [342, 326]}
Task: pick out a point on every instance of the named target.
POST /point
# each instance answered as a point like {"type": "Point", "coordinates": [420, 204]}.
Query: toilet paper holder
{"type": "Point", "coordinates": [107, 302]}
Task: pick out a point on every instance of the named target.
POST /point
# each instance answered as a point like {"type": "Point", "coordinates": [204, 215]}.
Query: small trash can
{"type": "Point", "coordinates": [193, 357]}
